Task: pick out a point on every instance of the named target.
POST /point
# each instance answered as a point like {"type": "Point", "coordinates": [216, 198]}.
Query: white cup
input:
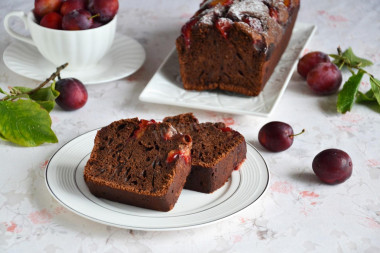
{"type": "Point", "coordinates": [81, 49]}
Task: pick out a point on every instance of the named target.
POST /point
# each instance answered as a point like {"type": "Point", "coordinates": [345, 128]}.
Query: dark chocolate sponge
{"type": "Point", "coordinates": [217, 150]}
{"type": "Point", "coordinates": [139, 162]}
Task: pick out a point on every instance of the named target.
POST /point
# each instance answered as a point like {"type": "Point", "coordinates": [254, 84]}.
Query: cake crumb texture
{"type": "Point", "coordinates": [130, 163]}
{"type": "Point", "coordinates": [217, 150]}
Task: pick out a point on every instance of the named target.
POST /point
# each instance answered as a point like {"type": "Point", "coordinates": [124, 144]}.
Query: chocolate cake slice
{"type": "Point", "coordinates": [217, 150]}
{"type": "Point", "coordinates": [139, 162]}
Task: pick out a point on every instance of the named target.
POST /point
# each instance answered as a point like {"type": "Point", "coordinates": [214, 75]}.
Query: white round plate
{"type": "Point", "coordinates": [64, 179]}
{"type": "Point", "coordinates": [124, 58]}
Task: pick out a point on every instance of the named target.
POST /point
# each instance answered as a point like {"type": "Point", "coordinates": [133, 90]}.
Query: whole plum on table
{"type": "Point", "coordinates": [310, 61]}
{"type": "Point", "coordinates": [324, 79]}
{"type": "Point", "coordinates": [332, 166]}
{"type": "Point", "coordinates": [73, 94]}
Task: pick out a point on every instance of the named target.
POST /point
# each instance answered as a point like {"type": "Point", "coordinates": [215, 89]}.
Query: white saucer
{"type": "Point", "coordinates": [124, 58]}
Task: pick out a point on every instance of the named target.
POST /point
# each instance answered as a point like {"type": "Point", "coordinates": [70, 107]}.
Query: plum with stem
{"type": "Point", "coordinates": [106, 9]}
{"type": "Point", "coordinates": [77, 20]}
{"type": "Point", "coordinates": [277, 136]}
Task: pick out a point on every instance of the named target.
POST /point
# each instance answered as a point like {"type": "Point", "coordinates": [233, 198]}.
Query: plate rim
{"type": "Point", "coordinates": [96, 81]}
{"type": "Point", "coordinates": [145, 98]}
{"type": "Point", "coordinates": [144, 228]}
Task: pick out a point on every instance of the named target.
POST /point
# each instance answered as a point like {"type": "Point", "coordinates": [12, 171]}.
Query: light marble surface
{"type": "Point", "coordinates": [297, 214]}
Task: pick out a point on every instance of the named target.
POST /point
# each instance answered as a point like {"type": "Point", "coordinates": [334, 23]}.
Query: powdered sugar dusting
{"type": "Point", "coordinates": [208, 17]}
{"type": "Point", "coordinates": [210, 14]}
{"type": "Point", "coordinates": [252, 8]}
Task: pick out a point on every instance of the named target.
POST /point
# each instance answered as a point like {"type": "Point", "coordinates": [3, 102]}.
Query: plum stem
{"type": "Point", "coordinates": [51, 78]}
{"type": "Point", "coordinates": [94, 16]}
{"type": "Point", "coordinates": [292, 135]}
{"type": "Point", "coordinates": [16, 94]}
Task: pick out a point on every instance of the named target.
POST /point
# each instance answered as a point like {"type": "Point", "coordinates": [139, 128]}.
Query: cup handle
{"type": "Point", "coordinates": [23, 17]}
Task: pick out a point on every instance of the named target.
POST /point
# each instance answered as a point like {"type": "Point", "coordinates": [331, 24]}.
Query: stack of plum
{"type": "Point", "coordinates": [74, 14]}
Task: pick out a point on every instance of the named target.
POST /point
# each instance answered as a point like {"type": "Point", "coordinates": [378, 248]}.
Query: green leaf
{"type": "Point", "coordinates": [15, 97]}
{"type": "Point", "coordinates": [335, 56]}
{"type": "Point", "coordinates": [44, 96]}
{"type": "Point", "coordinates": [375, 87]}
{"type": "Point", "coordinates": [365, 97]}
{"type": "Point", "coordinates": [25, 123]}
{"type": "Point", "coordinates": [23, 89]}
{"type": "Point", "coordinates": [339, 60]}
{"type": "Point", "coordinates": [354, 60]}
{"type": "Point", "coordinates": [1, 91]}
{"type": "Point", "coordinates": [347, 95]}
{"type": "Point", "coordinates": [15, 90]}
{"type": "Point", "coordinates": [2, 137]}
{"type": "Point", "coordinates": [47, 105]}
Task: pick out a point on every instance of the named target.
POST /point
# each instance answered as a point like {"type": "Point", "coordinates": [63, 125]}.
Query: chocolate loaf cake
{"type": "Point", "coordinates": [217, 150]}
{"type": "Point", "coordinates": [139, 162]}
{"type": "Point", "coordinates": [234, 45]}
